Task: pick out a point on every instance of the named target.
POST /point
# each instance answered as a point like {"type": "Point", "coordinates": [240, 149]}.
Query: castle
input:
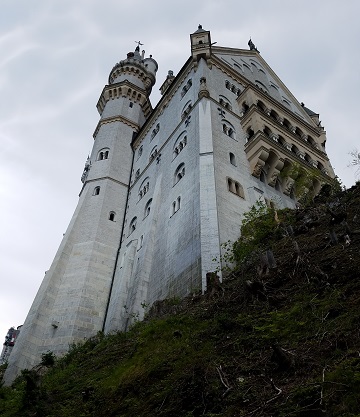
{"type": "Point", "coordinates": [165, 187]}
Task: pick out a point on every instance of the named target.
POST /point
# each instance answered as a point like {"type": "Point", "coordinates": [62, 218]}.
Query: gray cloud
{"type": "Point", "coordinates": [55, 59]}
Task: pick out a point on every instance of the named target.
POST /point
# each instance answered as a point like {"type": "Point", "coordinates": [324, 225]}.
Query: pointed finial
{"type": "Point", "coordinates": [200, 27]}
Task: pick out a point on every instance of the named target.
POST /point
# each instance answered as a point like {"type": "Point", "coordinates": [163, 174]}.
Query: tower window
{"type": "Point", "coordinates": [179, 173]}
{"type": "Point", "coordinates": [131, 104]}
{"type": "Point", "coordinates": [96, 191]}
{"type": "Point", "coordinates": [103, 154]}
{"type": "Point", "coordinates": [232, 159]}
{"type": "Point", "coordinates": [132, 226]}
{"type": "Point", "coordinates": [112, 216]}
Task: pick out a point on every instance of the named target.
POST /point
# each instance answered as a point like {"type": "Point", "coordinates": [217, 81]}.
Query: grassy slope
{"type": "Point", "coordinates": [291, 348]}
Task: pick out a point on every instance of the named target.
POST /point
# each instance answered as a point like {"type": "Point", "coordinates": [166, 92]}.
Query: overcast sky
{"type": "Point", "coordinates": [55, 58]}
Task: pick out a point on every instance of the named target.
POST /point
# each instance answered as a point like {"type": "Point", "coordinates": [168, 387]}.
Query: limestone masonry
{"type": "Point", "coordinates": [165, 187]}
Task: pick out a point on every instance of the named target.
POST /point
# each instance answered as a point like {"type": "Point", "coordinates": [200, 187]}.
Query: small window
{"type": "Point", "coordinates": [176, 206]}
{"type": "Point", "coordinates": [131, 104]}
{"type": "Point", "coordinates": [141, 240]}
{"type": "Point", "coordinates": [232, 159]}
{"type": "Point", "coordinates": [132, 226]}
{"type": "Point", "coordinates": [112, 216]}
{"type": "Point", "coordinates": [96, 191]}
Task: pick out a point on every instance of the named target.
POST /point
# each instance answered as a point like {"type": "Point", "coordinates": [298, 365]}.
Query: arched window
{"type": "Point", "coordinates": [225, 102]}
{"type": "Point", "coordinates": [261, 106]}
{"type": "Point", "coordinates": [96, 191]}
{"type": "Point", "coordinates": [312, 142]}
{"type": "Point", "coordinates": [228, 129]}
{"type": "Point", "coordinates": [132, 225]}
{"type": "Point", "coordinates": [287, 124]}
{"type": "Point", "coordinates": [235, 187]}
{"type": "Point", "coordinates": [187, 86]}
{"type": "Point", "coordinates": [267, 132]}
{"type": "Point", "coordinates": [155, 131]}
{"type": "Point", "coordinates": [244, 108]}
{"type": "Point", "coordinates": [295, 149]}
{"type": "Point", "coordinates": [112, 216]}
{"type": "Point", "coordinates": [261, 86]}
{"type": "Point", "coordinates": [147, 208]}
{"type": "Point", "coordinates": [175, 206]}
{"type": "Point", "coordinates": [249, 134]}
{"type": "Point", "coordinates": [186, 109]}
{"type": "Point", "coordinates": [274, 115]}
{"type": "Point", "coordinates": [153, 153]}
{"type": "Point", "coordinates": [103, 154]}
{"type": "Point", "coordinates": [298, 132]}
{"type": "Point", "coordinates": [232, 159]}
{"type": "Point", "coordinates": [179, 145]}
{"type": "Point", "coordinates": [144, 188]}
{"type": "Point", "coordinates": [179, 173]}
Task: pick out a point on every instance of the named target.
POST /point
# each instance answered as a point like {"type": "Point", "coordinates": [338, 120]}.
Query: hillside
{"type": "Point", "coordinates": [279, 337]}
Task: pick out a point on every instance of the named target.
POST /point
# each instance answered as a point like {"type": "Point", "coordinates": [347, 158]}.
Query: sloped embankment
{"type": "Point", "coordinates": [279, 337]}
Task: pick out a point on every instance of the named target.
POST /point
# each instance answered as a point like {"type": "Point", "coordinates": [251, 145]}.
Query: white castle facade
{"type": "Point", "coordinates": [165, 187]}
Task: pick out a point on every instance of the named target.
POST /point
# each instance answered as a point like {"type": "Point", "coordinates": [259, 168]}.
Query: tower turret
{"type": "Point", "coordinates": [135, 69]}
{"type": "Point", "coordinates": [72, 300]}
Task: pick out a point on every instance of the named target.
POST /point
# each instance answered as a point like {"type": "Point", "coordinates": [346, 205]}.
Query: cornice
{"type": "Point", "coordinates": [253, 110]}
{"type": "Point", "coordinates": [113, 119]}
{"type": "Point", "coordinates": [102, 178]}
{"type": "Point", "coordinates": [261, 137]}
{"type": "Point", "coordinates": [124, 89]}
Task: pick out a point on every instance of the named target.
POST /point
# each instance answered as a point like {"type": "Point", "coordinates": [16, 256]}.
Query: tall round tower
{"type": "Point", "coordinates": [72, 300]}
